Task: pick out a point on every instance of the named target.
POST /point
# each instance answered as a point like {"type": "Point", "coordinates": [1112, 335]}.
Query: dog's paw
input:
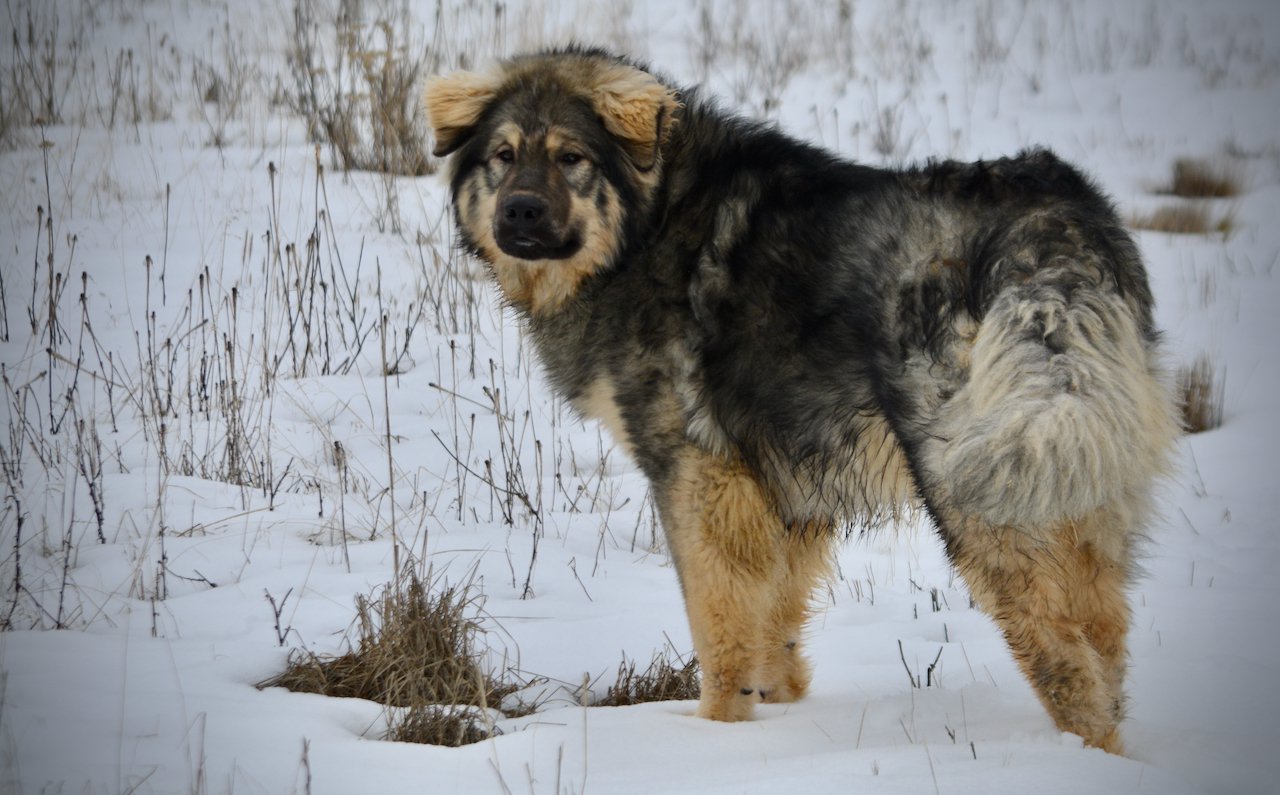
{"type": "Point", "coordinates": [786, 676]}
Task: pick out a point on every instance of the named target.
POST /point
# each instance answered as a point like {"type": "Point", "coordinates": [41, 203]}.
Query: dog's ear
{"type": "Point", "coordinates": [454, 104]}
{"type": "Point", "coordinates": [636, 109]}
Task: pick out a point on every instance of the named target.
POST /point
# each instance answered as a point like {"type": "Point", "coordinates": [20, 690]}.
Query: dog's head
{"type": "Point", "coordinates": [552, 156]}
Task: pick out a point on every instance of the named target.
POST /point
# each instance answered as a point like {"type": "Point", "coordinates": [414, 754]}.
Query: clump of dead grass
{"type": "Point", "coordinates": [669, 677]}
{"type": "Point", "coordinates": [1184, 219]}
{"type": "Point", "coordinates": [1198, 181]}
{"type": "Point", "coordinates": [417, 651]}
{"type": "Point", "coordinates": [1200, 392]}
{"type": "Point", "coordinates": [1202, 179]}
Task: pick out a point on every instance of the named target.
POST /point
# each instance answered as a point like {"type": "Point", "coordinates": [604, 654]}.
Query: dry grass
{"type": "Point", "coordinates": [359, 95]}
{"type": "Point", "coordinates": [416, 651]}
{"type": "Point", "coordinates": [1200, 179]}
{"type": "Point", "coordinates": [1183, 219]}
{"type": "Point", "coordinates": [1201, 388]}
{"type": "Point", "coordinates": [441, 725]}
{"type": "Point", "coordinates": [668, 678]}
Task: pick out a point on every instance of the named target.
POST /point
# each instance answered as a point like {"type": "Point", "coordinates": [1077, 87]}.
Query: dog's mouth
{"type": "Point", "coordinates": [534, 246]}
{"type": "Point", "coordinates": [529, 226]}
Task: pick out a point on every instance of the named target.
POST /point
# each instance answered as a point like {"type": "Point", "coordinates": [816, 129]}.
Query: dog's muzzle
{"type": "Point", "coordinates": [524, 228]}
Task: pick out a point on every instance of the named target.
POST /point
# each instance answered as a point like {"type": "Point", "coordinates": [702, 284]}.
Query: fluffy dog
{"type": "Point", "coordinates": [789, 344]}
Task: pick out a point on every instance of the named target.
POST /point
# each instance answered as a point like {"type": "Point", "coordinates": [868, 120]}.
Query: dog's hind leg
{"type": "Point", "coordinates": [1058, 595]}
{"type": "Point", "coordinates": [806, 550]}
{"type": "Point", "coordinates": [728, 545]}
{"type": "Point", "coordinates": [1039, 470]}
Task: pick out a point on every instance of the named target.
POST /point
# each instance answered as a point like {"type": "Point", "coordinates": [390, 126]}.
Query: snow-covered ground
{"type": "Point", "coordinates": [160, 292]}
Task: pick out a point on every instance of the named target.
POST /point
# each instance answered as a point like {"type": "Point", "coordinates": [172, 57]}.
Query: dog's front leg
{"type": "Point", "coordinates": [727, 541]}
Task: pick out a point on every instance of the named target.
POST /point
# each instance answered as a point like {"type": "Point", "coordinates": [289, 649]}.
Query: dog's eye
{"type": "Point", "coordinates": [505, 155]}
{"type": "Point", "coordinates": [570, 158]}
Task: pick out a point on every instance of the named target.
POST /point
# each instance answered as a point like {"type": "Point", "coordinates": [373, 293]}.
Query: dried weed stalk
{"type": "Point", "coordinates": [1201, 389]}
{"type": "Point", "coordinates": [360, 95]}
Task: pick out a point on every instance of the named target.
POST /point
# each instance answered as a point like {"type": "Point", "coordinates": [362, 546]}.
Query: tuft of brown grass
{"type": "Point", "coordinates": [1200, 179]}
{"type": "Point", "coordinates": [440, 725]}
{"type": "Point", "coordinates": [1201, 389]}
{"type": "Point", "coordinates": [1183, 219]}
{"type": "Point", "coordinates": [668, 678]}
{"type": "Point", "coordinates": [417, 651]}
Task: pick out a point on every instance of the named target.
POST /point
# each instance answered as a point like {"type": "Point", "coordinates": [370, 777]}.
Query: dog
{"type": "Point", "coordinates": [790, 344]}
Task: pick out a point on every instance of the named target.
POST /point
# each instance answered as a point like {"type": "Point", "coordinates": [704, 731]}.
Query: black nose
{"type": "Point", "coordinates": [523, 212]}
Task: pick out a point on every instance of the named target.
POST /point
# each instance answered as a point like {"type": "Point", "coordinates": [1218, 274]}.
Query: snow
{"type": "Point", "coordinates": [131, 665]}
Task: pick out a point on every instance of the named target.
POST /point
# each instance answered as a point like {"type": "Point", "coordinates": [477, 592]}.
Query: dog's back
{"type": "Point", "coordinates": [995, 315]}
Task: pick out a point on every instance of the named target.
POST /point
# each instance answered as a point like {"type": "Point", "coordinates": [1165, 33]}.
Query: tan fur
{"type": "Point", "coordinates": [725, 539]}
{"type": "Point", "coordinates": [748, 583]}
{"type": "Point", "coordinates": [454, 102]}
{"type": "Point", "coordinates": [1060, 601]}
{"type": "Point", "coordinates": [510, 134]}
{"type": "Point", "coordinates": [599, 402]}
{"type": "Point", "coordinates": [636, 108]}
{"type": "Point", "coordinates": [806, 563]}
{"type": "Point", "coordinates": [558, 140]}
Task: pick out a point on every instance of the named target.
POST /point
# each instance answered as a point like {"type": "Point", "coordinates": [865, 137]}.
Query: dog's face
{"type": "Point", "coordinates": [536, 187]}
{"type": "Point", "coordinates": [551, 153]}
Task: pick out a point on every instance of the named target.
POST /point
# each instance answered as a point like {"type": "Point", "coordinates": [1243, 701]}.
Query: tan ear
{"type": "Point", "coordinates": [636, 108]}
{"type": "Point", "coordinates": [454, 104]}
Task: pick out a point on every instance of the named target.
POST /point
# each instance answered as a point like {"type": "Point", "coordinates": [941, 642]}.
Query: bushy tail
{"type": "Point", "coordinates": [1064, 411]}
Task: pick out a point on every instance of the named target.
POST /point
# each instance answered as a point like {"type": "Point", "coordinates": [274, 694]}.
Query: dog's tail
{"type": "Point", "coordinates": [1065, 410]}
